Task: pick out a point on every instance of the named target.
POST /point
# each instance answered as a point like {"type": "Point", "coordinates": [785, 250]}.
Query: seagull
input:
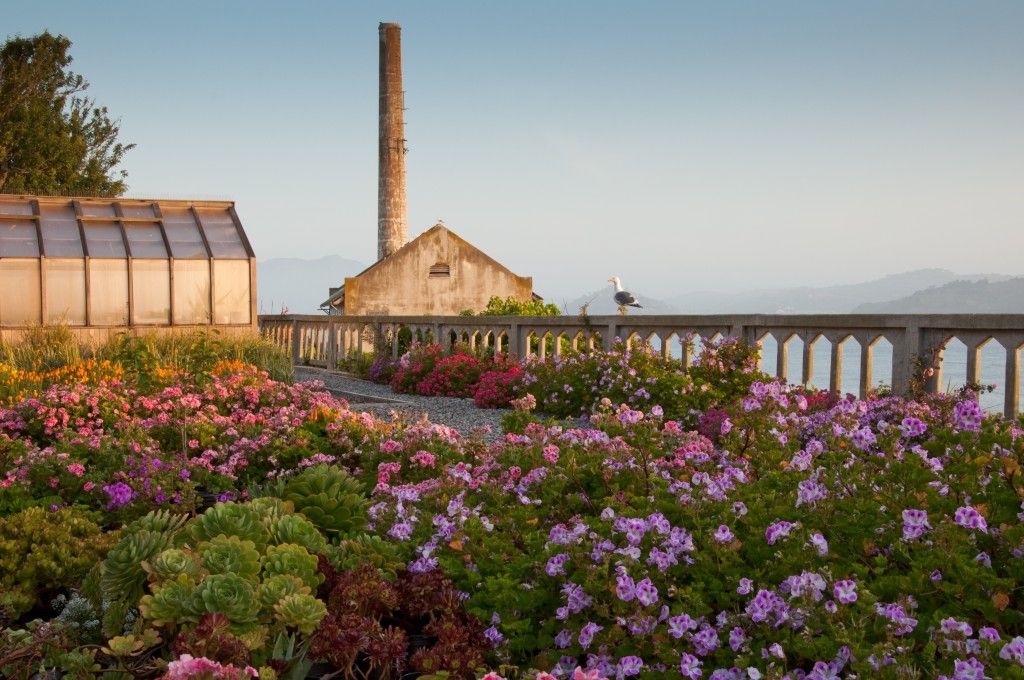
{"type": "Point", "coordinates": [623, 298]}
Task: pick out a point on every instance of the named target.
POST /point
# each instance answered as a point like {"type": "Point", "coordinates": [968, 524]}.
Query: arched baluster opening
{"type": "Point", "coordinates": [849, 371]}
{"type": "Point", "coordinates": [794, 351]}
{"type": "Point", "coordinates": [767, 354]}
{"type": "Point", "coordinates": [992, 357]}
{"type": "Point", "coordinates": [881, 364]}
{"type": "Point", "coordinates": [817, 374]}
{"type": "Point", "coordinates": [501, 343]}
{"type": "Point", "coordinates": [951, 361]}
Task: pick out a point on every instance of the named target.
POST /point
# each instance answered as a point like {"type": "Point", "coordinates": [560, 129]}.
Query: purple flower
{"type": "Point", "coordinates": [737, 637]}
{"type": "Point", "coordinates": [745, 587]}
{"type": "Point", "coordinates": [1013, 650]}
{"type": "Point", "coordinates": [739, 508]}
{"type": "Point", "coordinates": [564, 638]}
{"type": "Point", "coordinates": [625, 589]}
{"type": "Point", "coordinates": [646, 592]}
{"type": "Point", "coordinates": [689, 666]}
{"type": "Point", "coordinates": [630, 665]}
{"type": "Point", "coordinates": [988, 634]}
{"type": "Point", "coordinates": [723, 534]}
{"type": "Point", "coordinates": [972, 669]}
{"type": "Point", "coordinates": [935, 576]}
{"type": "Point", "coordinates": [967, 517]}
{"type": "Point", "coordinates": [778, 530]}
{"type": "Point", "coordinates": [588, 632]}
{"type": "Point", "coordinates": [706, 641]}
{"type": "Point", "coordinates": [120, 495]}
{"type": "Point", "coordinates": [819, 543]}
{"type": "Point", "coordinates": [951, 626]}
{"type": "Point", "coordinates": [494, 635]}
{"type": "Point", "coordinates": [863, 438]}
{"type": "Point", "coordinates": [912, 427]}
{"type": "Point", "coordinates": [556, 564]}
{"type": "Point", "coordinates": [679, 625]}
{"type": "Point", "coordinates": [845, 591]}
{"type": "Point", "coordinates": [967, 416]}
{"type": "Point", "coordinates": [915, 523]}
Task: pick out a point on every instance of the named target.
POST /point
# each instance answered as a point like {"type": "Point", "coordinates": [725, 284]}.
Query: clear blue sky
{"type": "Point", "coordinates": [713, 145]}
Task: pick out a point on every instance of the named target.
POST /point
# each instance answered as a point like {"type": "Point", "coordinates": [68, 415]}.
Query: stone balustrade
{"type": "Point", "coordinates": [917, 340]}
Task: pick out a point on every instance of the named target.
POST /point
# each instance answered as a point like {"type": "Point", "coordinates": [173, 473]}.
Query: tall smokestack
{"type": "Point", "coordinates": [392, 215]}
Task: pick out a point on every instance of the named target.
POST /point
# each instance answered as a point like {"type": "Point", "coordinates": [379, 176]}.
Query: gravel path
{"type": "Point", "coordinates": [364, 395]}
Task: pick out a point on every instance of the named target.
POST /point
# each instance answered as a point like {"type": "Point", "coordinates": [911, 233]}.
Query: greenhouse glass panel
{"type": "Point", "coordinates": [191, 292]}
{"type": "Point", "coordinates": [231, 288]}
{"type": "Point", "coordinates": [183, 233]}
{"type": "Point", "coordinates": [222, 234]}
{"type": "Point", "coordinates": [18, 239]}
{"type": "Point", "coordinates": [60, 231]}
{"type": "Point", "coordinates": [108, 292]}
{"type": "Point", "coordinates": [104, 239]}
{"type": "Point", "coordinates": [137, 210]}
{"type": "Point", "coordinates": [19, 281]}
{"type": "Point", "coordinates": [98, 210]}
{"type": "Point", "coordinates": [15, 206]}
{"type": "Point", "coordinates": [151, 292]}
{"type": "Point", "coordinates": [65, 291]}
{"type": "Point", "coordinates": [145, 240]}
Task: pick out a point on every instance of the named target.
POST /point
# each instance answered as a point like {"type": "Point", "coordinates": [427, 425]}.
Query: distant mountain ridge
{"type": "Point", "coordinates": [974, 297]}
{"type": "Point", "coordinates": [300, 285]}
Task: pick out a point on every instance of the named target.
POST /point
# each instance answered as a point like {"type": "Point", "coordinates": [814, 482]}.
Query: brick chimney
{"type": "Point", "coordinates": [392, 214]}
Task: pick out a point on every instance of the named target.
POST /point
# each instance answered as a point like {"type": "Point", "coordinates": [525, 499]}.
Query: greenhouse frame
{"type": "Point", "coordinates": [122, 264]}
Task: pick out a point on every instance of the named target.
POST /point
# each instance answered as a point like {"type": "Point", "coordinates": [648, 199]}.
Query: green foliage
{"type": "Point", "coordinates": [53, 140]}
{"type": "Point", "coordinates": [172, 563]}
{"type": "Point", "coordinates": [124, 576]}
{"type": "Point", "coordinates": [292, 560]}
{"type": "Point", "coordinates": [230, 519]}
{"type": "Point", "coordinates": [228, 594]}
{"type": "Point", "coordinates": [43, 348]}
{"type": "Point", "coordinates": [511, 306]}
{"type": "Point", "coordinates": [352, 553]}
{"type": "Point", "coordinates": [171, 602]}
{"type": "Point", "coordinates": [231, 555]}
{"type": "Point", "coordinates": [279, 586]}
{"type": "Point", "coordinates": [43, 552]}
{"type": "Point", "coordinates": [300, 611]}
{"type": "Point", "coordinates": [330, 498]}
{"type": "Point", "coordinates": [298, 530]}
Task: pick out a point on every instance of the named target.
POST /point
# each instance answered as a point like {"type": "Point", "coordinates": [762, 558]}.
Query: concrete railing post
{"type": "Point", "coordinates": [905, 350]}
{"type": "Point", "coordinates": [609, 340]}
{"type": "Point", "coordinates": [296, 343]}
{"type": "Point", "coordinates": [513, 340]}
{"type": "Point", "coordinates": [1011, 396]}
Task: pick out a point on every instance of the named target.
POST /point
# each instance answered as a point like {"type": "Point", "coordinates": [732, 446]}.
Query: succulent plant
{"type": "Point", "coordinates": [271, 508]}
{"type": "Point", "coordinates": [228, 594]}
{"type": "Point", "coordinates": [298, 530]}
{"type": "Point", "coordinates": [279, 586]}
{"type": "Point", "coordinates": [300, 611]}
{"type": "Point", "coordinates": [161, 521]}
{"type": "Point", "coordinates": [123, 575]}
{"type": "Point", "coordinates": [371, 549]}
{"type": "Point", "coordinates": [231, 555]}
{"type": "Point", "coordinates": [212, 639]}
{"type": "Point", "coordinates": [230, 519]}
{"type": "Point", "coordinates": [330, 498]}
{"type": "Point", "coordinates": [171, 603]}
{"type": "Point", "coordinates": [294, 560]}
{"type": "Point", "coordinates": [171, 563]}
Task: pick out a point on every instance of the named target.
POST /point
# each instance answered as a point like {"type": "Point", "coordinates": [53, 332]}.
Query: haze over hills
{"type": "Point", "coordinates": [300, 285]}
{"type": "Point", "coordinates": [978, 297]}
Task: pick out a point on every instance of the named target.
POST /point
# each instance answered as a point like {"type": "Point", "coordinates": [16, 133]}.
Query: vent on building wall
{"type": "Point", "coordinates": [440, 271]}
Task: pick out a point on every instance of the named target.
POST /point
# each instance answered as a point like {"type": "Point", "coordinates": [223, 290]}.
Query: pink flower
{"type": "Point", "coordinates": [77, 469]}
{"type": "Point", "coordinates": [88, 486]}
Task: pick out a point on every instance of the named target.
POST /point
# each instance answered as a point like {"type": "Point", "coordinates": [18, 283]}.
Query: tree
{"type": "Point", "coordinates": [53, 140]}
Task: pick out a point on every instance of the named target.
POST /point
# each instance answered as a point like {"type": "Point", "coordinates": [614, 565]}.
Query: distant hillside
{"type": "Point", "coordinates": [601, 302]}
{"type": "Point", "coordinates": [827, 299]}
{"type": "Point", "coordinates": [300, 285]}
{"type": "Point", "coordinates": [976, 297]}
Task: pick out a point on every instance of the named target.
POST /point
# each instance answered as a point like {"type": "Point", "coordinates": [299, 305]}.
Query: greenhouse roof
{"type": "Point", "coordinates": [115, 228]}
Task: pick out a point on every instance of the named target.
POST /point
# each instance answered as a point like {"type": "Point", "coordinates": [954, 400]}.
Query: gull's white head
{"type": "Point", "coordinates": [615, 280]}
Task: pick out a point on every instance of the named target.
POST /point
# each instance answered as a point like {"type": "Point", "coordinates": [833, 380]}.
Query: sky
{"type": "Point", "coordinates": [679, 145]}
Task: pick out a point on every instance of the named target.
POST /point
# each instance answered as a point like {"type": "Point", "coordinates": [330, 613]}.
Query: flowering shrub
{"type": "Point", "coordinates": [497, 388]}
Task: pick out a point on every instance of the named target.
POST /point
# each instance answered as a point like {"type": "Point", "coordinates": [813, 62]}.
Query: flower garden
{"type": "Point", "coordinates": [196, 518]}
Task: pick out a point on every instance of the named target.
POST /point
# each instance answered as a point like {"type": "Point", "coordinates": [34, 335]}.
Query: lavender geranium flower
{"type": "Point", "coordinates": [646, 592]}
{"type": "Point", "coordinates": [912, 427]}
{"type": "Point", "coordinates": [845, 591]}
{"type": "Point", "coordinates": [689, 666]}
{"type": "Point", "coordinates": [680, 625]}
{"type": "Point", "coordinates": [630, 665]}
{"type": "Point", "coordinates": [120, 495]}
{"type": "Point", "coordinates": [777, 531]}
{"type": "Point", "coordinates": [723, 534]}
{"type": "Point", "coordinates": [969, 518]}
{"type": "Point", "coordinates": [745, 587]}
{"type": "Point", "coordinates": [967, 416]}
{"type": "Point", "coordinates": [625, 588]}
{"type": "Point", "coordinates": [915, 523]}
{"type": "Point", "coordinates": [556, 564]}
{"type": "Point", "coordinates": [819, 543]}
{"type": "Point", "coordinates": [587, 634]}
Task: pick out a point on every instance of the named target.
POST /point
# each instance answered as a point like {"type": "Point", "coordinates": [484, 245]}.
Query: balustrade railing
{"type": "Point", "coordinates": [918, 340]}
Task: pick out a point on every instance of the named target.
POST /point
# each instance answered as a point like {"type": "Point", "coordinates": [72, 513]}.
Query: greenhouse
{"type": "Point", "coordinates": [119, 263]}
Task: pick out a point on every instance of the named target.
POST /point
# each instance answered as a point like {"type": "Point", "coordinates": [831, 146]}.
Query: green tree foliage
{"type": "Point", "coordinates": [510, 306]}
{"type": "Point", "coordinates": [53, 140]}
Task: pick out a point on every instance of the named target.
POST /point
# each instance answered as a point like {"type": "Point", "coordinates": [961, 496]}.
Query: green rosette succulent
{"type": "Point", "coordinates": [354, 552]}
{"type": "Point", "coordinates": [271, 508]}
{"type": "Point", "coordinates": [171, 603]}
{"type": "Point", "coordinates": [292, 559]}
{"type": "Point", "coordinates": [276, 588]}
{"type": "Point", "coordinates": [160, 521]}
{"type": "Point", "coordinates": [123, 575]}
{"type": "Point", "coordinates": [171, 563]}
{"type": "Point", "coordinates": [300, 611]}
{"type": "Point", "coordinates": [228, 594]}
{"type": "Point", "coordinates": [298, 530]}
{"type": "Point", "coordinates": [330, 498]}
{"type": "Point", "coordinates": [231, 555]}
{"type": "Point", "coordinates": [230, 519]}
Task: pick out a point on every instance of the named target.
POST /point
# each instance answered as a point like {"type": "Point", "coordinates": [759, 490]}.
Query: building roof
{"type": "Point", "coordinates": [337, 298]}
{"type": "Point", "coordinates": [116, 228]}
